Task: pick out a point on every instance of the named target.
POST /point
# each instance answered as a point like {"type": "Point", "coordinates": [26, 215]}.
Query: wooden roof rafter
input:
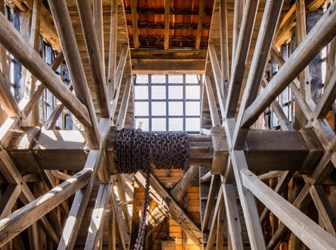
{"type": "Point", "coordinates": [166, 25]}
{"type": "Point", "coordinates": [134, 13]}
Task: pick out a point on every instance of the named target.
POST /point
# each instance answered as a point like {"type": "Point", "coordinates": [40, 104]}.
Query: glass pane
{"type": "Point", "coordinates": [175, 124]}
{"type": "Point", "coordinates": [141, 79]}
{"type": "Point", "coordinates": [141, 108]}
{"type": "Point", "coordinates": [159, 108]}
{"type": "Point", "coordinates": [193, 124]}
{"type": "Point", "coordinates": [142, 123]}
{"type": "Point", "coordinates": [175, 79]}
{"type": "Point", "coordinates": [175, 108]}
{"type": "Point", "coordinates": [158, 79]}
{"type": "Point", "coordinates": [159, 92]}
{"type": "Point", "coordinates": [175, 92]}
{"type": "Point", "coordinates": [192, 108]}
{"type": "Point", "coordinates": [141, 92]}
{"type": "Point", "coordinates": [191, 79]}
{"type": "Point", "coordinates": [193, 92]}
{"type": "Point", "coordinates": [158, 124]}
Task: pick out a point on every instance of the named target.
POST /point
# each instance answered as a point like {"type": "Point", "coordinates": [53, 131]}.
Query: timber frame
{"type": "Point", "coordinates": [262, 173]}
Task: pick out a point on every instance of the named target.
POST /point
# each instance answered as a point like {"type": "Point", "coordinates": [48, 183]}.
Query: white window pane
{"type": "Point", "coordinates": [142, 123]}
{"type": "Point", "coordinates": [158, 124]}
{"type": "Point", "coordinates": [141, 79]}
{"type": "Point", "coordinates": [175, 92]}
{"type": "Point", "coordinates": [191, 79]}
{"type": "Point", "coordinates": [175, 79]}
{"type": "Point", "coordinates": [193, 124]}
{"type": "Point", "coordinates": [159, 92]}
{"type": "Point", "coordinates": [175, 108]}
{"type": "Point", "coordinates": [141, 92]}
{"type": "Point", "coordinates": [141, 108]}
{"type": "Point", "coordinates": [193, 92]}
{"type": "Point", "coordinates": [192, 108]}
{"type": "Point", "coordinates": [175, 124]}
{"type": "Point", "coordinates": [158, 79]}
{"type": "Point", "coordinates": [158, 108]}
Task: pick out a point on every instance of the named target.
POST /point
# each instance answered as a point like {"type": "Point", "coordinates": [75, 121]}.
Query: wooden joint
{"type": "Point", "coordinates": [221, 150]}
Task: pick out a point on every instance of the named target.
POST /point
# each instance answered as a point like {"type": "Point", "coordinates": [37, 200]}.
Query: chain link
{"type": "Point", "coordinates": [136, 150]}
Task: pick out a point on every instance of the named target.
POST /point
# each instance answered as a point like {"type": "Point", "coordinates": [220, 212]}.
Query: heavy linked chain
{"type": "Point", "coordinates": [136, 150]}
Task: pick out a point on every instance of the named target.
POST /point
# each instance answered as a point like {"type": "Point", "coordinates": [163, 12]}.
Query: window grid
{"type": "Point", "coordinates": [170, 119]}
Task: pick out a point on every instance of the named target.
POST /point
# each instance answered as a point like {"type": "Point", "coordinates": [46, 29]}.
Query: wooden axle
{"type": "Point", "coordinates": [34, 150]}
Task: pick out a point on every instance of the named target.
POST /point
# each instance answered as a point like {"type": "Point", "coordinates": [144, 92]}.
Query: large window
{"type": "Point", "coordinates": [167, 102]}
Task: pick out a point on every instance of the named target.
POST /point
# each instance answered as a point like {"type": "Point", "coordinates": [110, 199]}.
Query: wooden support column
{"type": "Point", "coordinates": [166, 25]}
{"type": "Point", "coordinates": [66, 33]}
{"type": "Point", "coordinates": [95, 55]}
{"type": "Point", "coordinates": [200, 23]}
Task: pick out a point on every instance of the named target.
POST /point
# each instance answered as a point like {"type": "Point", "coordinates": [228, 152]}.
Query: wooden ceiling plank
{"type": "Point", "coordinates": [166, 25]}
{"type": "Point", "coordinates": [240, 56]}
{"type": "Point", "coordinates": [135, 30]}
{"type": "Point", "coordinates": [322, 33]}
{"type": "Point", "coordinates": [95, 55]}
{"type": "Point", "coordinates": [200, 23]}
{"type": "Point", "coordinates": [65, 31]}
{"type": "Point", "coordinates": [29, 58]}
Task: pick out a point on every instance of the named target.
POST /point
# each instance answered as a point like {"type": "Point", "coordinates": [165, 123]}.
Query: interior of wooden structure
{"type": "Point", "coordinates": [262, 167]}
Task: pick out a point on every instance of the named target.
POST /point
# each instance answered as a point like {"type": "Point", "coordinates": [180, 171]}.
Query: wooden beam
{"type": "Point", "coordinates": [324, 208]}
{"type": "Point", "coordinates": [135, 30]}
{"type": "Point", "coordinates": [166, 25]}
{"type": "Point", "coordinates": [95, 55]}
{"type": "Point", "coordinates": [200, 23]}
{"type": "Point", "coordinates": [316, 39]}
{"type": "Point", "coordinates": [303, 227]}
{"type": "Point", "coordinates": [98, 22]}
{"type": "Point", "coordinates": [176, 212]}
{"type": "Point", "coordinates": [165, 66]}
{"type": "Point", "coordinates": [212, 103]}
{"type": "Point", "coordinates": [7, 99]}
{"type": "Point", "coordinates": [168, 54]}
{"type": "Point", "coordinates": [66, 33]}
{"type": "Point", "coordinates": [238, 68]}
{"type": "Point", "coordinates": [119, 181]}
{"type": "Point", "coordinates": [213, 190]}
{"type": "Point", "coordinates": [8, 199]}
{"type": "Point", "coordinates": [266, 33]}
{"type": "Point", "coordinates": [232, 215]}
{"type": "Point", "coordinates": [51, 122]}
{"type": "Point", "coordinates": [98, 216]}
{"type": "Point", "coordinates": [122, 114]}
{"type": "Point", "coordinates": [82, 196]}
{"type": "Point", "coordinates": [30, 213]}
{"type": "Point", "coordinates": [237, 19]}
{"type": "Point", "coordinates": [15, 44]}
{"type": "Point", "coordinates": [112, 64]}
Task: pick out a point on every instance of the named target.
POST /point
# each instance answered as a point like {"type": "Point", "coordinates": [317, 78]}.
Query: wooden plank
{"type": "Point", "coordinates": [81, 199]}
{"type": "Point", "coordinates": [95, 55]}
{"type": "Point", "coordinates": [316, 39]}
{"type": "Point", "coordinates": [200, 24]}
{"type": "Point", "coordinates": [265, 36]}
{"type": "Point", "coordinates": [30, 213]}
{"type": "Point", "coordinates": [176, 212]}
{"type": "Point", "coordinates": [238, 68]}
{"type": "Point", "coordinates": [135, 23]}
{"type": "Point", "coordinates": [124, 104]}
{"type": "Point", "coordinates": [311, 234]}
{"type": "Point", "coordinates": [66, 33]}
{"type": "Point", "coordinates": [15, 44]}
{"type": "Point", "coordinates": [98, 215]}
{"type": "Point", "coordinates": [166, 24]}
